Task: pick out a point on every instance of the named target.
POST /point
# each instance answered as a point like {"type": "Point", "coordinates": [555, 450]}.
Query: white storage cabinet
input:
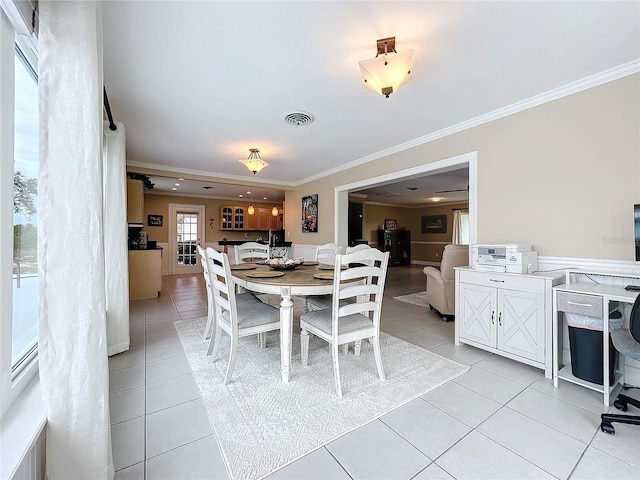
{"type": "Point", "coordinates": [506, 313]}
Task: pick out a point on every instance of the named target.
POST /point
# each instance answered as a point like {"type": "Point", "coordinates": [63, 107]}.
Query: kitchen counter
{"type": "Point", "coordinates": [145, 273]}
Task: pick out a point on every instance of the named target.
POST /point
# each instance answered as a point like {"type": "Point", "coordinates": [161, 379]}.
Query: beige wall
{"type": "Point", "coordinates": [159, 205]}
{"type": "Point", "coordinates": [562, 176]}
{"type": "Point", "coordinates": [375, 215]}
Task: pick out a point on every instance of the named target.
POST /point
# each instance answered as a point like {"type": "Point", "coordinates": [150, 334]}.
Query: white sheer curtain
{"type": "Point", "coordinates": [116, 260]}
{"type": "Point", "coordinates": [457, 228]}
{"type": "Point", "coordinates": [72, 325]}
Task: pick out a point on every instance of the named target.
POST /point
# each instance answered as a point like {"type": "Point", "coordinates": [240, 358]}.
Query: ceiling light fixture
{"type": "Point", "coordinates": [389, 70]}
{"type": "Point", "coordinates": [436, 199]}
{"type": "Point", "coordinates": [254, 163]}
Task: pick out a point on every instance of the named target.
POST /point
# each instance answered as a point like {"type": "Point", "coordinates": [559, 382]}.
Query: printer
{"type": "Point", "coordinates": [506, 257]}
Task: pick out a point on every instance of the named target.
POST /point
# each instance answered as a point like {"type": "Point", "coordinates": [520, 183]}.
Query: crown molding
{"type": "Point", "coordinates": [212, 175]}
{"type": "Point", "coordinates": [591, 81]}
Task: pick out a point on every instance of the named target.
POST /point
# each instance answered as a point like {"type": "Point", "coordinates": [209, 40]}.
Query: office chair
{"type": "Point", "coordinates": [627, 342]}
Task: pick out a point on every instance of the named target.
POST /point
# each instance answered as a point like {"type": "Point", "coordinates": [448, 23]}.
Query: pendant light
{"type": "Point", "coordinates": [251, 210]}
{"type": "Point", "coordinates": [274, 210]}
{"type": "Point", "coordinates": [254, 163]}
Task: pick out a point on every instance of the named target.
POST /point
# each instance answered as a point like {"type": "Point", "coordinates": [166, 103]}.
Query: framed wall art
{"type": "Point", "coordinates": [434, 224]}
{"type": "Point", "coordinates": [310, 214]}
{"type": "Point", "coordinates": [390, 224]}
{"type": "Point", "coordinates": [154, 220]}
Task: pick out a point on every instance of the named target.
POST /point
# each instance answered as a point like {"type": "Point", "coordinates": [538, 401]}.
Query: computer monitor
{"type": "Point", "coordinates": [636, 218]}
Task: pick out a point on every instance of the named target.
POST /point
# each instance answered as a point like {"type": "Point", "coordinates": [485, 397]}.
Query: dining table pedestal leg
{"type": "Point", "coordinates": [286, 332]}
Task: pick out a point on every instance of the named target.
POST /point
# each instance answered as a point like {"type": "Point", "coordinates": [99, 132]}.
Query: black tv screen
{"type": "Point", "coordinates": [636, 217]}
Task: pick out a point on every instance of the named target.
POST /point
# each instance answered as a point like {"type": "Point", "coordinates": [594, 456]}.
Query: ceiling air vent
{"type": "Point", "coordinates": [298, 119]}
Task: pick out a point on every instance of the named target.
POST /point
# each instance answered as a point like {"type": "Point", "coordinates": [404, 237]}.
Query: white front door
{"type": "Point", "coordinates": [186, 231]}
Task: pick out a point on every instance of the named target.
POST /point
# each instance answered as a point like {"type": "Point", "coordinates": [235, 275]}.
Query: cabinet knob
{"type": "Point", "coordinates": [492, 314]}
{"type": "Point", "coordinates": [500, 319]}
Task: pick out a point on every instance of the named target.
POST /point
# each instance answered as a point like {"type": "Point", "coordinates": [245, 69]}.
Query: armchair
{"type": "Point", "coordinates": [440, 283]}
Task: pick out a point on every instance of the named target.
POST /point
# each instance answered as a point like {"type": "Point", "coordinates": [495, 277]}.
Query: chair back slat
{"type": "Point", "coordinates": [349, 291]}
{"type": "Point", "coordinates": [356, 248]}
{"type": "Point", "coordinates": [351, 308]}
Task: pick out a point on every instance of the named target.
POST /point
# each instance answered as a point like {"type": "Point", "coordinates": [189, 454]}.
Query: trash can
{"type": "Point", "coordinates": [585, 344]}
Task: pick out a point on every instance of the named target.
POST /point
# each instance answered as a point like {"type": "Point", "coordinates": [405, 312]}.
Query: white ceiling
{"type": "Point", "coordinates": [197, 84]}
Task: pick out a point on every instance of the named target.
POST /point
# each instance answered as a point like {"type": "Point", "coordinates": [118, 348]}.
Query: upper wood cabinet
{"type": "Point", "coordinates": [232, 218]}
{"type": "Point", "coordinates": [238, 218]}
{"type": "Point", "coordinates": [135, 201]}
{"type": "Point", "coordinates": [252, 220]}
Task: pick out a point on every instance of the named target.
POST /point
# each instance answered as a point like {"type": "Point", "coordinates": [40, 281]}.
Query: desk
{"type": "Point", "coordinates": [599, 300]}
{"type": "Point", "coordinates": [294, 282]}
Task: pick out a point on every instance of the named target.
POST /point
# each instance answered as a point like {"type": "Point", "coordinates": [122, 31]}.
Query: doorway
{"type": "Point", "coordinates": [186, 232]}
{"type": "Point", "coordinates": [355, 222]}
{"type": "Point", "coordinates": [341, 193]}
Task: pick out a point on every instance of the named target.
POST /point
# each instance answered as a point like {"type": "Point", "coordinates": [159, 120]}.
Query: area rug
{"type": "Point", "coordinates": [419, 298]}
{"type": "Point", "coordinates": [262, 424]}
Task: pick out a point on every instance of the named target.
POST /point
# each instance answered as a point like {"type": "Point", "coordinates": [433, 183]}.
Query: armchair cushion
{"type": "Point", "coordinates": [440, 283]}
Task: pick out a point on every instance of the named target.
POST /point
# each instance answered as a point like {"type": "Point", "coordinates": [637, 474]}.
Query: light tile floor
{"type": "Point", "coordinates": [501, 419]}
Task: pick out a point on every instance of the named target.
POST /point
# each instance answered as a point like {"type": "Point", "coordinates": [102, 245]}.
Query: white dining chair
{"type": "Point", "coordinates": [243, 297]}
{"type": "Point", "coordinates": [210, 307]}
{"type": "Point", "coordinates": [236, 318]}
{"type": "Point", "coordinates": [250, 251]}
{"type": "Point", "coordinates": [353, 321]}
{"type": "Point", "coordinates": [318, 302]}
{"type": "Point", "coordinates": [325, 254]}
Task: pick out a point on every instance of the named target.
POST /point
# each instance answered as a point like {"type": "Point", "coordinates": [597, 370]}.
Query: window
{"type": "Point", "coordinates": [18, 204]}
{"type": "Point", "coordinates": [24, 332]}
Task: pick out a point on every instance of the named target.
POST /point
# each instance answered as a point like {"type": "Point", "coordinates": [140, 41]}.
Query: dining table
{"type": "Point", "coordinates": [310, 278]}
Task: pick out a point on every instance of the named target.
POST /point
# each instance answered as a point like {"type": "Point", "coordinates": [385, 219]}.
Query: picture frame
{"type": "Point", "coordinates": [390, 224]}
{"type": "Point", "coordinates": [433, 224]}
{"type": "Point", "coordinates": [310, 214]}
{"type": "Point", "coordinates": [154, 220]}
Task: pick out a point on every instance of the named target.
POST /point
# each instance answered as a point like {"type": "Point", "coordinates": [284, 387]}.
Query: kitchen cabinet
{"type": "Point", "coordinates": [252, 221]}
{"type": "Point", "coordinates": [135, 201]}
{"type": "Point", "coordinates": [232, 218]}
{"type": "Point", "coordinates": [506, 313]}
{"type": "Point", "coordinates": [145, 273]}
{"type": "Point", "coordinates": [261, 220]}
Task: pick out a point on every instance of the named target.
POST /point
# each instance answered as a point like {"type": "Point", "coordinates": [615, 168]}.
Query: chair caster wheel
{"type": "Point", "coordinates": [621, 405]}
{"type": "Point", "coordinates": [607, 428]}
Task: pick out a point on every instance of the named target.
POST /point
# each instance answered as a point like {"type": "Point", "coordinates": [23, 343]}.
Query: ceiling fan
{"type": "Point", "coordinates": [455, 192]}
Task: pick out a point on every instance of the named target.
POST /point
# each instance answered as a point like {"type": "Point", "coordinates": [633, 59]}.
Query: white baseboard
{"type": "Point", "coordinates": [425, 263]}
